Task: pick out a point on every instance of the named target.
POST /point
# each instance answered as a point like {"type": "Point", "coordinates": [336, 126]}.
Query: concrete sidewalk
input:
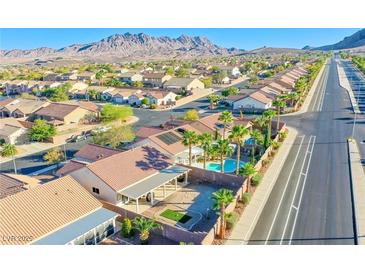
{"type": "Point", "coordinates": [310, 95]}
{"type": "Point", "coordinates": [344, 82]}
{"type": "Point", "coordinates": [242, 231]}
{"type": "Point", "coordinates": [358, 182]}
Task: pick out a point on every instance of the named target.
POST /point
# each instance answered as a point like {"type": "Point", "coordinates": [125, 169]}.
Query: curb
{"type": "Point", "coordinates": [344, 83]}
{"type": "Point", "coordinates": [357, 179]}
{"type": "Point", "coordinates": [256, 206]}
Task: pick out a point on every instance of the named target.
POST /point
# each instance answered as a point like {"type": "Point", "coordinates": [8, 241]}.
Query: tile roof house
{"type": "Point", "coordinates": [130, 77]}
{"type": "Point", "coordinates": [183, 84]}
{"type": "Point", "coordinates": [158, 97]}
{"type": "Point", "coordinates": [59, 212]}
{"type": "Point", "coordinates": [256, 101]}
{"type": "Point", "coordinates": [20, 108]}
{"type": "Point", "coordinates": [12, 131]}
{"type": "Point", "coordinates": [155, 79]}
{"type": "Point", "coordinates": [61, 114]}
{"type": "Point", "coordinates": [107, 179]}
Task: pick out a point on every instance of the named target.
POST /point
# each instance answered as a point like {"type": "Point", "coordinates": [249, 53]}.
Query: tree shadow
{"type": "Point", "coordinates": [153, 159]}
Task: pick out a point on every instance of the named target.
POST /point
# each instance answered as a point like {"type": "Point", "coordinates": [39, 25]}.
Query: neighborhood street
{"type": "Point", "coordinates": [311, 200]}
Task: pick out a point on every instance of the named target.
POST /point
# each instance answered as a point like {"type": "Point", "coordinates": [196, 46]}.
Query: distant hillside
{"type": "Point", "coordinates": [354, 41]}
{"type": "Point", "coordinates": [272, 50]}
{"type": "Point", "coordinates": [130, 46]}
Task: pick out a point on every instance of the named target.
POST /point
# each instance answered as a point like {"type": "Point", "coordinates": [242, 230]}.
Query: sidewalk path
{"type": "Point", "coordinates": [358, 182]}
{"type": "Point", "coordinates": [344, 82]}
{"type": "Point", "coordinates": [242, 231]}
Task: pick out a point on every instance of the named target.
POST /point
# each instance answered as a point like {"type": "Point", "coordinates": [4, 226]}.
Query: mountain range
{"type": "Point", "coordinates": [354, 42]}
{"type": "Point", "coordinates": [129, 45]}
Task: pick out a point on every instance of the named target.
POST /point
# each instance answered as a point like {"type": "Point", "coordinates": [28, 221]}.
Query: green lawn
{"type": "Point", "coordinates": [175, 216]}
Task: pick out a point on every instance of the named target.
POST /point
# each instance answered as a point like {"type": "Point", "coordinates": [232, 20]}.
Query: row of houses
{"type": "Point", "coordinates": [262, 98]}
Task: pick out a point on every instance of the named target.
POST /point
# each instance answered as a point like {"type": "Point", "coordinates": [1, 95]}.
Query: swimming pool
{"type": "Point", "coordinates": [250, 141]}
{"type": "Point", "coordinates": [229, 166]}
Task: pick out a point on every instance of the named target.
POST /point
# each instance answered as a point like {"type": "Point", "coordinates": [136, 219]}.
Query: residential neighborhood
{"type": "Point", "coordinates": [232, 148]}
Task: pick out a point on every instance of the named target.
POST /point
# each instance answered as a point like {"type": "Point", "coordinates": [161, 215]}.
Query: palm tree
{"type": "Point", "coordinates": [268, 115]}
{"type": "Point", "coordinates": [224, 149]}
{"type": "Point", "coordinates": [10, 150]}
{"type": "Point", "coordinates": [279, 104]}
{"type": "Point", "coordinates": [226, 118]}
{"type": "Point", "coordinates": [144, 227]}
{"type": "Point", "coordinates": [259, 122]}
{"type": "Point", "coordinates": [190, 138]}
{"type": "Point", "coordinates": [258, 138]}
{"type": "Point", "coordinates": [213, 100]}
{"type": "Point", "coordinates": [293, 96]}
{"type": "Point", "coordinates": [237, 136]}
{"type": "Point", "coordinates": [248, 171]}
{"type": "Point", "coordinates": [222, 198]}
{"type": "Point", "coordinates": [205, 142]}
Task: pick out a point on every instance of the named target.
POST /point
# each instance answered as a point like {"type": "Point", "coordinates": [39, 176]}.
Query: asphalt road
{"type": "Point", "coordinates": [311, 200]}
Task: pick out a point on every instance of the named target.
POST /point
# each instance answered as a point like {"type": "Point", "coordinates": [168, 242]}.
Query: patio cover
{"type": "Point", "coordinates": [78, 228]}
{"type": "Point", "coordinates": [153, 182]}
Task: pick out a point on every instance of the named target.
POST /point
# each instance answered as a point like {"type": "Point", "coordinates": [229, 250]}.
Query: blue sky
{"type": "Point", "coordinates": [239, 38]}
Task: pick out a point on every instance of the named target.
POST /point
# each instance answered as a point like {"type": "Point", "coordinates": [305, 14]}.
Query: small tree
{"type": "Point", "coordinates": [127, 227]}
{"type": "Point", "coordinates": [41, 131]}
{"type": "Point", "coordinates": [222, 198]}
{"type": "Point", "coordinates": [137, 84]}
{"type": "Point", "coordinates": [213, 100]}
{"type": "Point", "coordinates": [145, 101]}
{"type": "Point", "coordinates": [54, 156]}
{"type": "Point", "coordinates": [229, 91]}
{"type": "Point", "coordinates": [9, 150]}
{"type": "Point", "coordinates": [144, 227]}
{"type": "Point", "coordinates": [114, 136]}
{"type": "Point", "coordinates": [191, 115]}
{"type": "Point", "coordinates": [205, 142]}
{"type": "Point", "coordinates": [207, 81]}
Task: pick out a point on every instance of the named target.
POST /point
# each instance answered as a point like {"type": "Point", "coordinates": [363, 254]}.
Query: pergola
{"type": "Point", "coordinates": [148, 185]}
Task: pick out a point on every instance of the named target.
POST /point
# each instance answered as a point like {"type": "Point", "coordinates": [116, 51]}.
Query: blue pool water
{"type": "Point", "coordinates": [250, 141]}
{"type": "Point", "coordinates": [229, 166]}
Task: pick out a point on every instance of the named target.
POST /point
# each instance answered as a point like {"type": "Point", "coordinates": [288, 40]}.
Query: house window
{"type": "Point", "coordinates": [96, 190]}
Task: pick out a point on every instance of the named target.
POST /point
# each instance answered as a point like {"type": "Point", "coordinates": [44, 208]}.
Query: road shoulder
{"type": "Point", "coordinates": [358, 184]}
{"type": "Point", "coordinates": [242, 231]}
{"type": "Point", "coordinates": [344, 82]}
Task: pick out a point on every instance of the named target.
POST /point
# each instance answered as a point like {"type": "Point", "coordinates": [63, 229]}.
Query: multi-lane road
{"type": "Point", "coordinates": [311, 200]}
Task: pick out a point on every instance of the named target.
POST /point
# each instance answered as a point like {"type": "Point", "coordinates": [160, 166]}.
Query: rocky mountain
{"type": "Point", "coordinates": [131, 46]}
{"type": "Point", "coordinates": [354, 41]}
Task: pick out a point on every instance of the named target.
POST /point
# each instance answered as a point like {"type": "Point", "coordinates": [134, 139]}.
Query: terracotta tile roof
{"type": "Point", "coordinates": [145, 132]}
{"type": "Point", "coordinates": [70, 167]}
{"type": "Point", "coordinates": [94, 153]}
{"type": "Point", "coordinates": [35, 213]}
{"type": "Point", "coordinates": [261, 96]}
{"type": "Point", "coordinates": [57, 110]}
{"type": "Point", "coordinates": [126, 168]}
{"type": "Point", "coordinates": [29, 181]}
{"type": "Point", "coordinates": [6, 102]}
{"type": "Point", "coordinates": [154, 75]}
{"type": "Point", "coordinates": [9, 186]}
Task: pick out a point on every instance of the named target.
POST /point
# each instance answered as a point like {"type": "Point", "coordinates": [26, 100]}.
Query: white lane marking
{"type": "Point", "coordinates": [298, 183]}
{"type": "Point", "coordinates": [286, 186]}
{"type": "Point", "coordinates": [293, 206]}
{"type": "Point", "coordinates": [301, 196]}
{"type": "Point", "coordinates": [319, 88]}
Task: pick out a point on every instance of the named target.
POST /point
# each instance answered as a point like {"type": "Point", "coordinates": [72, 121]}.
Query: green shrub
{"type": "Point", "coordinates": [265, 162]}
{"type": "Point", "coordinates": [127, 228]}
{"type": "Point", "coordinates": [231, 219]}
{"type": "Point", "coordinates": [178, 97]}
{"type": "Point", "coordinates": [256, 180]}
{"type": "Point", "coordinates": [275, 145]}
{"type": "Point", "coordinates": [246, 198]}
{"type": "Point", "coordinates": [153, 106]}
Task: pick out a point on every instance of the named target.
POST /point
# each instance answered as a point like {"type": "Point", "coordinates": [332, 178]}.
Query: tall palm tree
{"type": "Point", "coordinates": [226, 118]}
{"type": "Point", "coordinates": [258, 138]}
{"type": "Point", "coordinates": [144, 227]}
{"type": "Point", "coordinates": [222, 198]}
{"type": "Point", "coordinates": [205, 142]}
{"type": "Point", "coordinates": [279, 104]}
{"type": "Point", "coordinates": [238, 135]}
{"type": "Point", "coordinates": [268, 115]}
{"type": "Point", "coordinates": [248, 170]}
{"type": "Point", "coordinates": [224, 149]}
{"type": "Point", "coordinates": [190, 138]}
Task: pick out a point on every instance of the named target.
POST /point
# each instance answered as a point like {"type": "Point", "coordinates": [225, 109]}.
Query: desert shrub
{"type": "Point", "coordinates": [256, 180]}
{"type": "Point", "coordinates": [275, 145]}
{"type": "Point", "coordinates": [127, 228]}
{"type": "Point", "coordinates": [231, 219]}
{"type": "Point", "coordinates": [153, 106]}
{"type": "Point", "coordinates": [246, 198]}
{"type": "Point", "coordinates": [265, 162]}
